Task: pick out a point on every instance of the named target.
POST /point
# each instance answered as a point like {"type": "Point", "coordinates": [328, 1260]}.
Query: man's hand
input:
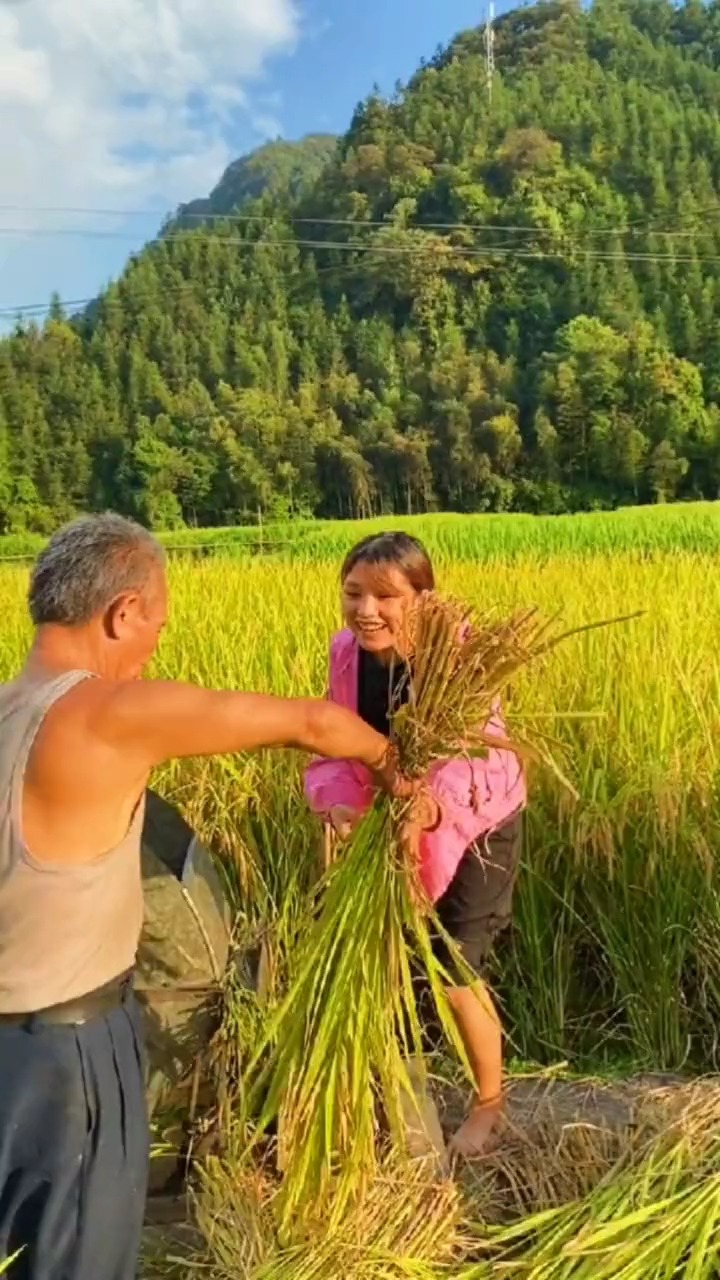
{"type": "Point", "coordinates": [478, 1134]}
{"type": "Point", "coordinates": [386, 774]}
{"type": "Point", "coordinates": [344, 820]}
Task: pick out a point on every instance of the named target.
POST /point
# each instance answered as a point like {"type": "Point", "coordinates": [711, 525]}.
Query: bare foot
{"type": "Point", "coordinates": [477, 1133]}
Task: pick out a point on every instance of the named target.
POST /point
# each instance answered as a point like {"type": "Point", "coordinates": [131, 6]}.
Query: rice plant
{"type": "Point", "coordinates": [338, 1046]}
{"type": "Point", "coordinates": [642, 531]}
{"type": "Point", "coordinates": [423, 1238]}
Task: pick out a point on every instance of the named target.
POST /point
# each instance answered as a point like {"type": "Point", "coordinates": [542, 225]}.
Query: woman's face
{"type": "Point", "coordinates": [376, 600]}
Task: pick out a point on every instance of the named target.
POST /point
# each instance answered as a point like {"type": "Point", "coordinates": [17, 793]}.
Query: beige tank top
{"type": "Point", "coordinates": [64, 931]}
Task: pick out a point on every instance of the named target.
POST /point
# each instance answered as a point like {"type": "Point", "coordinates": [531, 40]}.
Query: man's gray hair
{"type": "Point", "coordinates": [88, 564]}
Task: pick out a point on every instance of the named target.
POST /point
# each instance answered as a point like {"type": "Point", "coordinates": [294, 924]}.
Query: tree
{"type": "Point", "coordinates": [665, 472]}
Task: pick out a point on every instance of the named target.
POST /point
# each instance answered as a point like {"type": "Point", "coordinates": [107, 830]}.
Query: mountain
{"type": "Point", "coordinates": [284, 170]}
{"type": "Point", "coordinates": [476, 301]}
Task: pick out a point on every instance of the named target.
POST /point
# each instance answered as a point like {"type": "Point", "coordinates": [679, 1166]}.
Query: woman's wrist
{"type": "Point", "coordinates": [495, 1102]}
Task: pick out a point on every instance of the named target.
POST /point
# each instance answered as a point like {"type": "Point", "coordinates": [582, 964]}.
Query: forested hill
{"type": "Point", "coordinates": [472, 304]}
{"type": "Point", "coordinates": [282, 169]}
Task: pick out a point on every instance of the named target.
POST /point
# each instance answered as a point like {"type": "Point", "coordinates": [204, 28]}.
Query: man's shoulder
{"type": "Point", "coordinates": [94, 706]}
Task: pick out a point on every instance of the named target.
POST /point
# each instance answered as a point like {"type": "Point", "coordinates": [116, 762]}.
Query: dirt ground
{"type": "Point", "coordinates": [561, 1137]}
{"type": "Point", "coordinates": [545, 1101]}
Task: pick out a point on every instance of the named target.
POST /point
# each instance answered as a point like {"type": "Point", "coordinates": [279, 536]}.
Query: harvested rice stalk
{"type": "Point", "coordinates": [334, 1055]}
{"type": "Point", "coordinates": [654, 1216]}
{"type": "Point", "coordinates": [420, 1239]}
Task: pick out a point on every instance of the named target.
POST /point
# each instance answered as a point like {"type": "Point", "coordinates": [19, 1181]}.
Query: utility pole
{"type": "Point", "coordinates": [490, 49]}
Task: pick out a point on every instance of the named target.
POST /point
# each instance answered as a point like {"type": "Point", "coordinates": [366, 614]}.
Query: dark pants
{"type": "Point", "coordinates": [477, 906]}
{"type": "Point", "coordinates": [475, 909]}
{"type": "Point", "coordinates": [74, 1148]}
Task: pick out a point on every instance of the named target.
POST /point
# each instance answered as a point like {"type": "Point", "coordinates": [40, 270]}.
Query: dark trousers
{"type": "Point", "coordinates": [74, 1148]}
{"type": "Point", "coordinates": [474, 910]}
{"type": "Point", "coordinates": [477, 906]}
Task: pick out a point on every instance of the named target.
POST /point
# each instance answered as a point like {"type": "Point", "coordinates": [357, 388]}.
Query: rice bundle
{"type": "Point", "coordinates": [333, 1060]}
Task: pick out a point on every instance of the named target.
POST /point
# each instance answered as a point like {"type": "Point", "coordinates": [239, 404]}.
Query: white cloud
{"type": "Point", "coordinates": [128, 103]}
{"type": "Point", "coordinates": [87, 84]}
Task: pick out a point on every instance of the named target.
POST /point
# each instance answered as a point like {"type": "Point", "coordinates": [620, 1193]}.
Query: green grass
{"type": "Point", "coordinates": [686, 527]}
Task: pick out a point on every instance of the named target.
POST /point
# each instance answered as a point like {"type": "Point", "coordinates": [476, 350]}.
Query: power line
{"type": "Point", "coordinates": [639, 226]}
{"type": "Point", "coordinates": [105, 301]}
{"type": "Point", "coordinates": [37, 309]}
{"type": "Point", "coordinates": [365, 246]}
{"type": "Point", "coordinates": [456, 253]}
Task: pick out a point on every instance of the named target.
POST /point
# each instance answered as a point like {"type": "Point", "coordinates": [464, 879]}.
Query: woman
{"type": "Point", "coordinates": [464, 827]}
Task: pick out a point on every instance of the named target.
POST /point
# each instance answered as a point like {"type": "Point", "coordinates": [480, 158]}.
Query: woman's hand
{"type": "Point", "coordinates": [423, 814]}
{"type": "Point", "coordinates": [344, 820]}
{"type": "Point", "coordinates": [424, 810]}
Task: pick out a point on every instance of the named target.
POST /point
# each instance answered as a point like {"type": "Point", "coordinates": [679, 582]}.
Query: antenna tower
{"type": "Point", "coordinates": [490, 49]}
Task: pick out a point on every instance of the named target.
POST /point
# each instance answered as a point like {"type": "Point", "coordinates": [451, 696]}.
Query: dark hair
{"type": "Point", "coordinates": [399, 549]}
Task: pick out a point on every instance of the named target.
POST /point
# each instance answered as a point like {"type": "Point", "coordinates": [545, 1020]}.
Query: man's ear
{"type": "Point", "coordinates": [119, 615]}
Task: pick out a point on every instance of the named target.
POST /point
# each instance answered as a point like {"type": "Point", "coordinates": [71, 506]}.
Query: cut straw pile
{"type": "Point", "coordinates": [654, 1215]}
{"type": "Point", "coordinates": [650, 1211]}
{"type": "Point", "coordinates": [331, 1068]}
{"type": "Point", "coordinates": [406, 1228]}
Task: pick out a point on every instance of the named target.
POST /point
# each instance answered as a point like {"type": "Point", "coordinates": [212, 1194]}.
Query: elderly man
{"type": "Point", "coordinates": [79, 735]}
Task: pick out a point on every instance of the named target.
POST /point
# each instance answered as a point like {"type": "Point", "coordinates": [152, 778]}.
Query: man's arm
{"type": "Point", "coordinates": [161, 720]}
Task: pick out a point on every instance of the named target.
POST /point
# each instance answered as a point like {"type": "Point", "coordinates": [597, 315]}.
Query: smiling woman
{"type": "Point", "coordinates": [464, 828]}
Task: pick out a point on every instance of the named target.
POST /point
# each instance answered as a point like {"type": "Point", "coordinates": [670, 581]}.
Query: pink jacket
{"type": "Point", "coordinates": [476, 796]}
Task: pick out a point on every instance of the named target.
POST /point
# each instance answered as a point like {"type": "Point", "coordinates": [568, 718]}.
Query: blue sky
{"type": "Point", "coordinates": [136, 105]}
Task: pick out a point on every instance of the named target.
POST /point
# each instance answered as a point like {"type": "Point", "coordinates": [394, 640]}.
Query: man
{"type": "Point", "coordinates": [79, 736]}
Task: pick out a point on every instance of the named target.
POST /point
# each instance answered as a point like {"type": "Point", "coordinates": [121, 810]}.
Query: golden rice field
{"type": "Point", "coordinates": [616, 953]}
{"type": "Point", "coordinates": [613, 964]}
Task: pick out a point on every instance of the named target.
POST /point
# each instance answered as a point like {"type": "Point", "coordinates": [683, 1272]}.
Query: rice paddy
{"type": "Point", "coordinates": [613, 963]}
{"type": "Point", "coordinates": [690, 527]}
